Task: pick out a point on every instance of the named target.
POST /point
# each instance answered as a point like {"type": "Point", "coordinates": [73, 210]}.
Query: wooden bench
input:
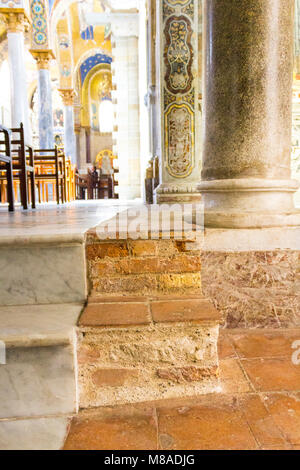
{"type": "Point", "coordinates": [6, 164]}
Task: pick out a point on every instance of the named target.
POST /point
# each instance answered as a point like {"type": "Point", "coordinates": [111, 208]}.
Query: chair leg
{"type": "Point", "coordinates": [24, 189]}
{"type": "Point", "coordinates": [10, 187]}
{"type": "Point", "coordinates": [32, 180]}
{"type": "Point", "coordinates": [39, 191]}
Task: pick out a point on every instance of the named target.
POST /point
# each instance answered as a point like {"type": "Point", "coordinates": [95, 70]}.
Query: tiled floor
{"type": "Point", "coordinates": [259, 407]}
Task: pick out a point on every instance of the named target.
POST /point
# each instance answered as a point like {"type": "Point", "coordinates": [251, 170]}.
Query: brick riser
{"type": "Point", "coordinates": [142, 267]}
{"type": "Point", "coordinates": [147, 332]}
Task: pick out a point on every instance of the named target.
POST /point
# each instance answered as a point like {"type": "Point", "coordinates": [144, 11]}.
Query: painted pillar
{"type": "Point", "coordinates": [177, 92]}
{"type": "Point", "coordinates": [46, 135]}
{"type": "Point", "coordinates": [70, 139]}
{"type": "Point", "coordinates": [17, 22]}
{"type": "Point", "coordinates": [246, 176]}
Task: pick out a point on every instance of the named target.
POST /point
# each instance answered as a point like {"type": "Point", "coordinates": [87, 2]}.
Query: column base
{"type": "Point", "coordinates": [176, 193]}
{"type": "Point", "coordinates": [249, 203]}
{"type": "Point", "coordinates": [250, 219]}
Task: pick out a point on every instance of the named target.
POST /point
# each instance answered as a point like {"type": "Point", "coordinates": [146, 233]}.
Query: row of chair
{"type": "Point", "coordinates": [31, 168]}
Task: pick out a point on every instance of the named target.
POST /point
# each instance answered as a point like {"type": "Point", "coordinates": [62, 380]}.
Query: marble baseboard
{"type": "Point", "coordinates": [34, 434]}
{"type": "Point", "coordinates": [42, 274]}
{"type": "Point", "coordinates": [254, 289]}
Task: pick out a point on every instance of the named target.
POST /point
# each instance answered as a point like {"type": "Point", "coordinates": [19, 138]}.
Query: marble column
{"type": "Point", "coordinates": [246, 176]}
{"type": "Point", "coordinates": [177, 93]}
{"type": "Point", "coordinates": [126, 135]}
{"type": "Point", "coordinates": [46, 135]}
{"type": "Point", "coordinates": [70, 139]}
{"type": "Point", "coordinates": [17, 22]}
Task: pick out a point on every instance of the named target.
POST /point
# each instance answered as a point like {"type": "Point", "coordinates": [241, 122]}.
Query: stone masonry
{"type": "Point", "coordinates": [147, 332]}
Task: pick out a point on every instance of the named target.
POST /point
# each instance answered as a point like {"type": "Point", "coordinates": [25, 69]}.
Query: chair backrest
{"type": "Point", "coordinates": [5, 142]}
{"type": "Point", "coordinates": [18, 136]}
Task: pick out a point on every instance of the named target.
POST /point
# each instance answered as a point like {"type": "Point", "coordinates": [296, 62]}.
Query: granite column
{"type": "Point", "coordinates": [246, 176]}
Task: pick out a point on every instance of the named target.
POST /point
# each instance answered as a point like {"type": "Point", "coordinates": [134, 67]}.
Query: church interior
{"type": "Point", "coordinates": [150, 225]}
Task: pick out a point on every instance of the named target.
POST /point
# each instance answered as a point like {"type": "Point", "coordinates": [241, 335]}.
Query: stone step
{"type": "Point", "coordinates": [38, 360]}
{"type": "Point", "coordinates": [133, 349]}
{"type": "Point", "coordinates": [42, 269]}
{"type": "Point", "coordinates": [147, 332]}
{"type": "Point", "coordinates": [34, 434]}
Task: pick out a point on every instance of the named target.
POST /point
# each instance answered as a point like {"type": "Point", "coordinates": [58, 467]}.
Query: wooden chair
{"type": "Point", "coordinates": [6, 165]}
{"type": "Point", "coordinates": [50, 168]}
{"type": "Point", "coordinates": [80, 185]}
{"type": "Point", "coordinates": [105, 187]}
{"type": "Point", "coordinates": [23, 165]}
{"type": "Point", "coordinates": [69, 180]}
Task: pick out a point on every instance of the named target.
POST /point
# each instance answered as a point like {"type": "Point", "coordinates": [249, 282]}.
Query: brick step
{"type": "Point", "coordinates": [133, 349]}
{"type": "Point", "coordinates": [142, 266]}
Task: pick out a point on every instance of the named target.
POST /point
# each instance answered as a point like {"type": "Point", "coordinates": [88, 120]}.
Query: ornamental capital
{"type": "Point", "coordinates": [68, 95]}
{"type": "Point", "coordinates": [43, 57]}
{"type": "Point", "coordinates": [15, 19]}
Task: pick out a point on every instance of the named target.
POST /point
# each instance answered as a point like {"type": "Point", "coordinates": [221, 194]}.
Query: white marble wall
{"type": "Point", "coordinates": [126, 79]}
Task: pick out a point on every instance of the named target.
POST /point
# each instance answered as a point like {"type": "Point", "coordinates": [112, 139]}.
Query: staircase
{"type": "Point", "coordinates": [88, 322]}
{"type": "Point", "coordinates": [42, 292]}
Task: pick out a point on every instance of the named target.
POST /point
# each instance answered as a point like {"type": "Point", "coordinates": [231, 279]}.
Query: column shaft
{"type": "Point", "coordinates": [19, 101]}
{"type": "Point", "coordinates": [46, 137]}
{"type": "Point", "coordinates": [70, 139]}
{"type": "Point", "coordinates": [247, 113]}
{"type": "Point", "coordinates": [68, 96]}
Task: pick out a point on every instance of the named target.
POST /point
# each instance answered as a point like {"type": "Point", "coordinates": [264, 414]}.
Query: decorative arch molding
{"type": "Point", "coordinates": [91, 63]}
{"type": "Point", "coordinates": [85, 93]}
{"type": "Point", "coordinates": [87, 55]}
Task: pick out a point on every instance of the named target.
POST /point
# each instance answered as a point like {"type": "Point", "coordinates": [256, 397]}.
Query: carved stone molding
{"type": "Point", "coordinates": [43, 57]}
{"type": "Point", "coordinates": [68, 96]}
{"type": "Point", "coordinates": [16, 20]}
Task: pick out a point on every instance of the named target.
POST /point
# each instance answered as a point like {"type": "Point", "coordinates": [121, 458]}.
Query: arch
{"type": "Point", "coordinates": [85, 93]}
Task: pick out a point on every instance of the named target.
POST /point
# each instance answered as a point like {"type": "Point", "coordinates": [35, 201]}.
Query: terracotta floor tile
{"type": "Point", "coordinates": [214, 422]}
{"type": "Point", "coordinates": [266, 433]}
{"type": "Point", "coordinates": [225, 346]}
{"type": "Point", "coordinates": [272, 374]}
{"type": "Point", "coordinates": [112, 429]}
{"type": "Point", "coordinates": [278, 447]}
{"type": "Point", "coordinates": [232, 378]}
{"type": "Point", "coordinates": [253, 344]}
{"type": "Point", "coordinates": [285, 411]}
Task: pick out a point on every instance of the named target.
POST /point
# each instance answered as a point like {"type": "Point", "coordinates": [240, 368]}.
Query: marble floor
{"type": "Point", "coordinates": [258, 407]}
{"type": "Point", "coordinates": [71, 219]}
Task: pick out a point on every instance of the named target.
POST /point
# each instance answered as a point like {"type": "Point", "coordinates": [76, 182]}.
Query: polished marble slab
{"type": "Point", "coordinates": [42, 257]}
{"type": "Point", "coordinates": [38, 325]}
{"type": "Point", "coordinates": [37, 372]}
{"type": "Point", "coordinates": [53, 223]}
{"type": "Point", "coordinates": [34, 434]}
